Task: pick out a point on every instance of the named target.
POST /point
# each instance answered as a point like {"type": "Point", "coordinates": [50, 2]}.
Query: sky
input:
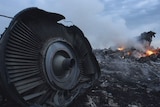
{"type": "Point", "coordinates": [104, 22]}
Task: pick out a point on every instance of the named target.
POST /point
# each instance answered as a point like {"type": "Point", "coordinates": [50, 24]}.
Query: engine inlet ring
{"type": "Point", "coordinates": [61, 65]}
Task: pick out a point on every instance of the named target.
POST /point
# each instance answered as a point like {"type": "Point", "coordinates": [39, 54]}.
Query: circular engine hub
{"type": "Point", "coordinates": [61, 65]}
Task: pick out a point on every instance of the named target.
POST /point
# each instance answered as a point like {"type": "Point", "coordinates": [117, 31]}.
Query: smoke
{"type": "Point", "coordinates": [102, 28]}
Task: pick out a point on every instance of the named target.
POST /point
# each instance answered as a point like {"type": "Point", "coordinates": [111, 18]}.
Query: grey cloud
{"type": "Point", "coordinates": [104, 22]}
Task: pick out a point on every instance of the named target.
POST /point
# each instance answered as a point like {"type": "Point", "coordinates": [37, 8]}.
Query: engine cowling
{"type": "Point", "coordinates": [43, 62]}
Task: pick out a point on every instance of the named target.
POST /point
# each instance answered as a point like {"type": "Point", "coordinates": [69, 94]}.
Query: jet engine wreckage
{"type": "Point", "coordinates": [44, 63]}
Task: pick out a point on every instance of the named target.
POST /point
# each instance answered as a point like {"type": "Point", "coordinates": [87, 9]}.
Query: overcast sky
{"type": "Point", "coordinates": [104, 22]}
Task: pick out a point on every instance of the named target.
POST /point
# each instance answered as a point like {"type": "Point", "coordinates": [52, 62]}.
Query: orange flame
{"type": "Point", "coordinates": [139, 54]}
{"type": "Point", "coordinates": [150, 52]}
{"type": "Point", "coordinates": [129, 53]}
{"type": "Point", "coordinates": [120, 48]}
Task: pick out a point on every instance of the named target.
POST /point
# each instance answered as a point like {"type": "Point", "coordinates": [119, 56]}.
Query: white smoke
{"type": "Point", "coordinates": [102, 28]}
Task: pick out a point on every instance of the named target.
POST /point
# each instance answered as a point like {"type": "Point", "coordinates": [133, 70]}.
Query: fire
{"type": "Point", "coordinates": [120, 48]}
{"type": "Point", "coordinates": [149, 52]}
{"type": "Point", "coordinates": [129, 53]}
{"type": "Point", "coordinates": [138, 53]}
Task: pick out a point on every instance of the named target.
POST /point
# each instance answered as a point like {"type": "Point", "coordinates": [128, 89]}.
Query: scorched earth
{"type": "Point", "coordinates": [125, 81]}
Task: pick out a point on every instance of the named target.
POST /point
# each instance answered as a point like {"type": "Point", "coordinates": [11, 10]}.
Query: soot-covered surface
{"type": "Point", "coordinates": [125, 82]}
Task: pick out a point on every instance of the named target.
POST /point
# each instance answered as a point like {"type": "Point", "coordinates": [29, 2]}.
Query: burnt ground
{"type": "Point", "coordinates": [125, 82]}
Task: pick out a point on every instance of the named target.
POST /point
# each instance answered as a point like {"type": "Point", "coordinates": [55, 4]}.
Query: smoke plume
{"type": "Point", "coordinates": [102, 27]}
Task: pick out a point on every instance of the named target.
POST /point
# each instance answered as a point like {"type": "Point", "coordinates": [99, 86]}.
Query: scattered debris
{"type": "Point", "coordinates": [90, 102]}
{"type": "Point", "coordinates": [146, 38]}
{"type": "Point", "coordinates": [125, 82]}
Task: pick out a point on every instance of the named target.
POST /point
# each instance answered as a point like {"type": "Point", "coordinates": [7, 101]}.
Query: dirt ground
{"type": "Point", "coordinates": [124, 82]}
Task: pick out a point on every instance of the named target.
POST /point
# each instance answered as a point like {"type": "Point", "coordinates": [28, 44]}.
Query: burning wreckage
{"type": "Point", "coordinates": [130, 75]}
{"type": "Point", "coordinates": [143, 50]}
{"type": "Point", "coordinates": [47, 64]}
